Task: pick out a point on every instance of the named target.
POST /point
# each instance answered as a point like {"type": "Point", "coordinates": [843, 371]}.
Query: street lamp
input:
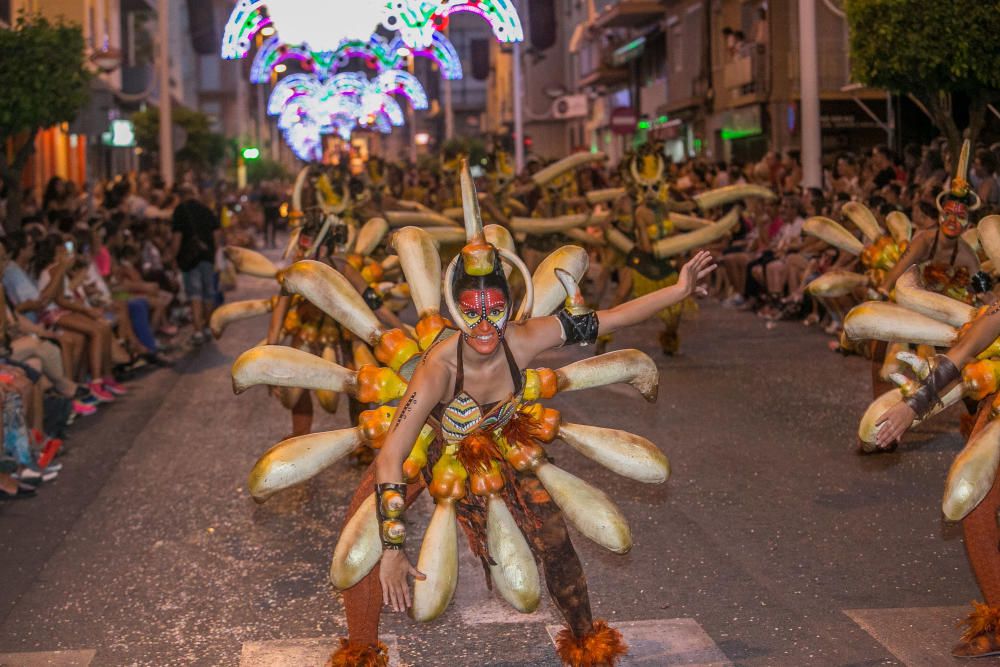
{"type": "Point", "coordinates": [107, 59]}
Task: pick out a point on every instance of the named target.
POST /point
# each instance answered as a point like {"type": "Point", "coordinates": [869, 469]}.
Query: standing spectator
{"type": "Point", "coordinates": [270, 202]}
{"type": "Point", "coordinates": [196, 234]}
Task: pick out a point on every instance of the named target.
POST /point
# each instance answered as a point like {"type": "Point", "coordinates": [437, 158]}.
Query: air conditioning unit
{"type": "Point", "coordinates": [570, 106]}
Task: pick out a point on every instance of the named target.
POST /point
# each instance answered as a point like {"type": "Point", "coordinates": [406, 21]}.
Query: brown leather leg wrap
{"type": "Point", "coordinates": [363, 601]}
{"type": "Point", "coordinates": [982, 534]}
{"type": "Point", "coordinates": [302, 414]}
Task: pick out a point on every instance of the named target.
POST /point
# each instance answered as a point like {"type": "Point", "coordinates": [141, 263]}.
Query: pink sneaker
{"type": "Point", "coordinates": [83, 409]}
{"type": "Point", "coordinates": [114, 387]}
{"type": "Point", "coordinates": [102, 394]}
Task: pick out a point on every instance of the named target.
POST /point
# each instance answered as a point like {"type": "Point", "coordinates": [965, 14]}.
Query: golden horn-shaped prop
{"type": "Point", "coordinates": [864, 220]}
{"type": "Point", "coordinates": [910, 294]}
{"type": "Point", "coordinates": [439, 562]}
{"type": "Point", "coordinates": [370, 235]}
{"type": "Point", "coordinates": [972, 473]}
{"type": "Point", "coordinates": [867, 429]}
{"type": "Point", "coordinates": [893, 364]}
{"type": "Point", "coordinates": [500, 237]}
{"type": "Point", "coordinates": [621, 452]}
{"type": "Point", "coordinates": [837, 283]}
{"type": "Point", "coordinates": [362, 354]}
{"type": "Point", "coordinates": [283, 366]}
{"type": "Point", "coordinates": [359, 548]}
{"type": "Point", "coordinates": [298, 459]}
{"type": "Point", "coordinates": [325, 288]}
{"type": "Point", "coordinates": [549, 225]}
{"type": "Point", "coordinates": [328, 400]}
{"type": "Point", "coordinates": [876, 320]}
{"type": "Point", "coordinates": [250, 262]}
{"type": "Point", "coordinates": [228, 313]}
{"type": "Point", "coordinates": [833, 233]}
{"type": "Point", "coordinates": [421, 264]}
{"type": "Point", "coordinates": [581, 236]}
{"type": "Point", "coordinates": [900, 227]}
{"type": "Point", "coordinates": [619, 241]}
{"type": "Point", "coordinates": [688, 223]}
{"type": "Point", "coordinates": [568, 163]}
{"type": "Point", "coordinates": [470, 205]}
{"type": "Point", "coordinates": [681, 243]}
{"type": "Point", "coordinates": [418, 219]}
{"type": "Point", "coordinates": [620, 366]}
{"type": "Point", "coordinates": [587, 508]}
{"type": "Point", "coordinates": [514, 574]}
{"type": "Point", "coordinates": [989, 237]}
{"type": "Point", "coordinates": [604, 196]}
{"type": "Point", "coordinates": [731, 193]}
{"type": "Point", "coordinates": [549, 292]}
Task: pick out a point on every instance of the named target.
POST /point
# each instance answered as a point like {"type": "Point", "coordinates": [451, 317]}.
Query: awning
{"type": "Point", "coordinates": [630, 14]}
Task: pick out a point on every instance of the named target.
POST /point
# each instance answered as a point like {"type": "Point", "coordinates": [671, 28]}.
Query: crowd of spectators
{"type": "Point", "coordinates": [96, 284]}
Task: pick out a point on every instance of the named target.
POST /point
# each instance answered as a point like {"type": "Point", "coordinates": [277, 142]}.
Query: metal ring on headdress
{"type": "Point", "coordinates": [523, 312]}
{"type": "Point", "coordinates": [946, 193]}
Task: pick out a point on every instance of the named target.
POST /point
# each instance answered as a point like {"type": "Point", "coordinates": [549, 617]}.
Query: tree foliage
{"type": "Point", "coordinates": [265, 169]}
{"type": "Point", "coordinates": [931, 50]}
{"type": "Point", "coordinates": [44, 81]}
{"type": "Point", "coordinates": [202, 149]}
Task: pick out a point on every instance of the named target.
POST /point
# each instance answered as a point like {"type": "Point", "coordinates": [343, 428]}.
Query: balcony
{"type": "Point", "coordinates": [746, 73]}
{"type": "Point", "coordinates": [630, 14]}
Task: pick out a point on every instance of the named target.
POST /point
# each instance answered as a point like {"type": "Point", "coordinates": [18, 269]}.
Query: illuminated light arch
{"type": "Point", "coordinates": [275, 52]}
{"type": "Point", "coordinates": [418, 20]}
{"type": "Point", "coordinates": [398, 82]}
{"type": "Point", "coordinates": [246, 20]}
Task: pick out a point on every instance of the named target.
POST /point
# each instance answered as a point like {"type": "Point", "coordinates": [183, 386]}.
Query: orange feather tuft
{"type": "Point", "coordinates": [477, 452]}
{"type": "Point", "coordinates": [983, 620]}
{"type": "Point", "coordinates": [601, 647]}
{"type": "Point", "coordinates": [359, 655]}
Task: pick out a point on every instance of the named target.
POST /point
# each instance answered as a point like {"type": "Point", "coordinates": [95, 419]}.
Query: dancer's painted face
{"type": "Point", "coordinates": [954, 218]}
{"type": "Point", "coordinates": [485, 313]}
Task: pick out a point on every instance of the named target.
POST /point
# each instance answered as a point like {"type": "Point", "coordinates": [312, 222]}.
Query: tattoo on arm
{"type": "Point", "coordinates": [407, 408]}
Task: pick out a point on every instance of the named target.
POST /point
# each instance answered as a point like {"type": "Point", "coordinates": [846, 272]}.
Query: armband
{"type": "Point", "coordinates": [981, 282]}
{"type": "Point", "coordinates": [390, 501]}
{"type": "Point", "coordinates": [580, 329]}
{"type": "Point", "coordinates": [942, 374]}
{"type": "Point", "coordinates": [372, 298]}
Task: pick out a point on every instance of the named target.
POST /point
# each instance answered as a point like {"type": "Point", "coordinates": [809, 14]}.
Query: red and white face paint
{"type": "Point", "coordinates": [485, 313]}
{"type": "Point", "coordinates": [954, 218]}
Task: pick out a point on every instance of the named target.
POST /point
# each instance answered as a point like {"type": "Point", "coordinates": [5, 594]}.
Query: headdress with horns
{"type": "Point", "coordinates": [960, 190]}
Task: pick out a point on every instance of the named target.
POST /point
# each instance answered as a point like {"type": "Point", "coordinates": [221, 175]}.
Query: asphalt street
{"type": "Point", "coordinates": [149, 551]}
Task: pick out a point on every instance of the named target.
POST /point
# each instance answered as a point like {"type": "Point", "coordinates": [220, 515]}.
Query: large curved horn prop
{"type": "Point", "coordinates": [972, 474]}
{"type": "Point", "coordinates": [327, 399]}
{"type": "Point", "coordinates": [421, 264]}
{"type": "Point", "coordinates": [837, 283]}
{"type": "Point", "coordinates": [619, 241]}
{"type": "Point", "coordinates": [900, 227]}
{"type": "Point", "coordinates": [688, 223]}
{"type": "Point", "coordinates": [549, 225]}
{"type": "Point", "coordinates": [731, 193]}
{"type": "Point", "coordinates": [549, 292]}
{"type": "Point", "coordinates": [298, 459]}
{"type": "Point", "coordinates": [875, 320]}
{"type": "Point", "coordinates": [568, 163]}
{"type": "Point", "coordinates": [228, 313]}
{"type": "Point", "coordinates": [864, 220]}
{"type": "Point", "coordinates": [439, 561]}
{"type": "Point", "coordinates": [370, 235]}
{"type": "Point", "coordinates": [283, 366]}
{"type": "Point", "coordinates": [620, 366]}
{"type": "Point", "coordinates": [868, 429]}
{"type": "Point", "coordinates": [581, 236]}
{"type": "Point", "coordinates": [446, 234]}
{"type": "Point", "coordinates": [989, 237]}
{"type": "Point", "coordinates": [359, 548]}
{"type": "Point", "coordinates": [681, 243]}
{"type": "Point", "coordinates": [604, 196]}
{"type": "Point", "coordinates": [300, 182]}
{"type": "Point", "coordinates": [325, 288]}
{"type": "Point", "coordinates": [587, 508]}
{"type": "Point", "coordinates": [418, 219]}
{"type": "Point", "coordinates": [971, 237]}
{"type": "Point", "coordinates": [910, 294]}
{"type": "Point", "coordinates": [621, 452]}
{"type": "Point", "coordinates": [250, 262]}
{"type": "Point", "coordinates": [833, 233]}
{"type": "Point", "coordinates": [514, 573]}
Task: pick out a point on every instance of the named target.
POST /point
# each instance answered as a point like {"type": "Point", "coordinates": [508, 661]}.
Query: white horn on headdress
{"type": "Point", "coordinates": [989, 237]}
{"type": "Point", "coordinates": [864, 220]}
{"type": "Point", "coordinates": [731, 193]}
{"type": "Point", "coordinates": [284, 366]}
{"type": "Point", "coordinates": [549, 292]}
{"type": "Point", "coordinates": [514, 572]}
{"type": "Point", "coordinates": [910, 294]}
{"type": "Point", "coordinates": [325, 288]}
{"type": "Point", "coordinates": [629, 366]}
{"type": "Point", "coordinates": [370, 235]}
{"type": "Point", "coordinates": [250, 262]}
{"type": "Point", "coordinates": [837, 283]}
{"type": "Point", "coordinates": [359, 548]}
{"type": "Point", "coordinates": [422, 268]}
{"type": "Point", "coordinates": [681, 243]}
{"type": "Point", "coordinates": [875, 320]}
{"type": "Point", "coordinates": [900, 227]}
{"type": "Point", "coordinates": [298, 459]}
{"type": "Point", "coordinates": [833, 233]}
{"type": "Point", "coordinates": [972, 473]}
{"type": "Point", "coordinates": [236, 311]}
{"type": "Point", "coordinates": [568, 163]}
{"type": "Point", "coordinates": [621, 452]}
{"type": "Point", "coordinates": [470, 205]}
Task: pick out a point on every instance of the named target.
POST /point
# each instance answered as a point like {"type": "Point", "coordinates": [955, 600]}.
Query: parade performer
{"type": "Point", "coordinates": [469, 428]}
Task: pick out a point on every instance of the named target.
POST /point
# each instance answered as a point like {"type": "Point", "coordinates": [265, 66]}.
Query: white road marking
{"type": "Point", "coordinates": [81, 658]}
{"type": "Point", "coordinates": [671, 641]}
{"type": "Point", "coordinates": [302, 652]}
{"type": "Point", "coordinates": [917, 636]}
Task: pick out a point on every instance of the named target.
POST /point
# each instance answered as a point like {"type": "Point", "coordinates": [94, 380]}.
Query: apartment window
{"type": "Point", "coordinates": [5, 12]}
{"type": "Point", "coordinates": [653, 62]}
{"type": "Point", "coordinates": [676, 44]}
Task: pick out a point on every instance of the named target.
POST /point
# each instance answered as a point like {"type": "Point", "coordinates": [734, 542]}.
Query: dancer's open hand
{"type": "Point", "coordinates": [696, 269]}
{"type": "Point", "coordinates": [893, 424]}
{"type": "Point", "coordinates": [392, 576]}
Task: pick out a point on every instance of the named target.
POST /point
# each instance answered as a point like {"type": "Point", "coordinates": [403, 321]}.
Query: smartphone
{"type": "Point", "coordinates": [69, 247]}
